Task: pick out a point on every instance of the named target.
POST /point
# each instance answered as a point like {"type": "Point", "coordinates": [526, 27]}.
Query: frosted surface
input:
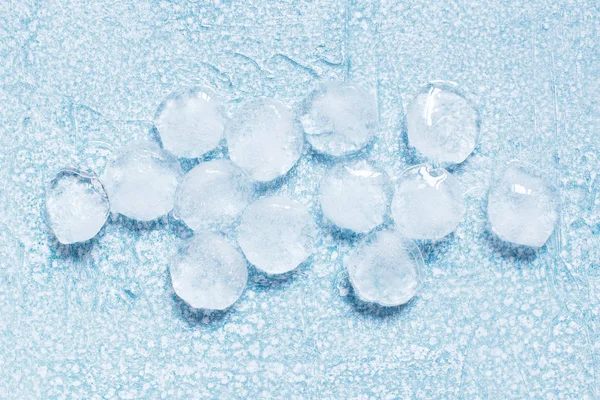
{"type": "Point", "coordinates": [76, 206]}
{"type": "Point", "coordinates": [141, 181]}
{"type": "Point", "coordinates": [212, 195]}
{"type": "Point", "coordinates": [80, 79]}
{"type": "Point", "coordinates": [386, 269]}
{"type": "Point", "coordinates": [355, 196]}
{"type": "Point", "coordinates": [339, 118]}
{"type": "Point", "coordinates": [209, 273]}
{"type": "Point", "coordinates": [428, 203]}
{"type": "Point", "coordinates": [264, 139]}
{"type": "Point", "coordinates": [277, 234]}
{"type": "Point", "coordinates": [442, 125]}
{"type": "Point", "coordinates": [523, 207]}
{"type": "Point", "coordinates": [190, 123]}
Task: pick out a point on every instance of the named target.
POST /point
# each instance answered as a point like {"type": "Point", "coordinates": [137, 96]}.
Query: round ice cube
{"type": "Point", "coordinates": [523, 206]}
{"type": "Point", "coordinates": [264, 139]}
{"type": "Point", "coordinates": [141, 181]}
{"type": "Point", "coordinates": [190, 123]}
{"type": "Point", "coordinates": [442, 125]}
{"type": "Point", "coordinates": [209, 273]}
{"type": "Point", "coordinates": [276, 234]}
{"type": "Point", "coordinates": [212, 195]}
{"type": "Point", "coordinates": [76, 206]}
{"type": "Point", "coordinates": [386, 269]}
{"type": "Point", "coordinates": [339, 119]}
{"type": "Point", "coordinates": [428, 203]}
{"type": "Point", "coordinates": [355, 196]}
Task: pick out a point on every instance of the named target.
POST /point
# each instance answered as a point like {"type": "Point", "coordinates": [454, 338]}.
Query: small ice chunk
{"type": "Point", "coordinates": [76, 206]}
{"type": "Point", "coordinates": [442, 125]}
{"type": "Point", "coordinates": [264, 138]}
{"type": "Point", "coordinates": [209, 273]}
{"type": "Point", "coordinates": [523, 207]}
{"type": "Point", "coordinates": [340, 119]}
{"type": "Point", "coordinates": [356, 196]}
{"type": "Point", "coordinates": [212, 195]}
{"type": "Point", "coordinates": [428, 203]}
{"type": "Point", "coordinates": [190, 123]}
{"type": "Point", "coordinates": [277, 234]}
{"type": "Point", "coordinates": [141, 181]}
{"type": "Point", "coordinates": [386, 269]}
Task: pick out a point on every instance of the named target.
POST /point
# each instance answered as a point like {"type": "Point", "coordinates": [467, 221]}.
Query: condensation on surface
{"type": "Point", "coordinates": [80, 79]}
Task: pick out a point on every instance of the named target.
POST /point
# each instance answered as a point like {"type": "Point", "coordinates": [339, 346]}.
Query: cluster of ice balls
{"type": "Point", "coordinates": [265, 139]}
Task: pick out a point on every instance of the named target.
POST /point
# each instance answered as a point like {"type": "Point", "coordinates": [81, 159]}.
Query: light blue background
{"type": "Point", "coordinates": [80, 78]}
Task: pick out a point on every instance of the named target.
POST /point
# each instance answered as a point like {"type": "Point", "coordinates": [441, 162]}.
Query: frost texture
{"type": "Point", "coordinates": [141, 181]}
{"type": "Point", "coordinates": [442, 125]}
{"type": "Point", "coordinates": [104, 324]}
{"type": "Point", "coordinates": [355, 197]}
{"type": "Point", "coordinates": [386, 269]}
{"type": "Point", "coordinates": [209, 273]}
{"type": "Point", "coordinates": [212, 195]}
{"type": "Point", "coordinates": [190, 123]}
{"type": "Point", "coordinates": [523, 207]}
{"type": "Point", "coordinates": [277, 234]}
{"type": "Point", "coordinates": [428, 203]}
{"type": "Point", "coordinates": [264, 139]}
{"type": "Point", "coordinates": [340, 119]}
{"type": "Point", "coordinates": [76, 206]}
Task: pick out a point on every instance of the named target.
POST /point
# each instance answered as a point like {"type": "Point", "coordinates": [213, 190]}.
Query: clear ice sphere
{"type": "Point", "coordinates": [264, 138]}
{"type": "Point", "coordinates": [76, 206]}
{"type": "Point", "coordinates": [428, 203]}
{"type": "Point", "coordinates": [523, 206]}
{"type": "Point", "coordinates": [277, 234]}
{"type": "Point", "coordinates": [386, 269]}
{"type": "Point", "coordinates": [340, 119]}
{"type": "Point", "coordinates": [141, 181]}
{"type": "Point", "coordinates": [208, 272]}
{"type": "Point", "coordinates": [212, 195]}
{"type": "Point", "coordinates": [442, 125]}
{"type": "Point", "coordinates": [190, 123]}
{"type": "Point", "coordinates": [355, 196]}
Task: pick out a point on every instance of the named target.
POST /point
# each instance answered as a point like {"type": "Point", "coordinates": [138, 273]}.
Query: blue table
{"type": "Point", "coordinates": [79, 79]}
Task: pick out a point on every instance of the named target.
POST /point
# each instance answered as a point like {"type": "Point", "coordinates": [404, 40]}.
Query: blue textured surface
{"type": "Point", "coordinates": [78, 79]}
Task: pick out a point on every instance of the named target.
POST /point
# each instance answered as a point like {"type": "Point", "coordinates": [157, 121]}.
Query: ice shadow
{"type": "Point", "coordinates": [76, 252]}
{"type": "Point", "coordinates": [266, 188]}
{"type": "Point", "coordinates": [218, 153]}
{"type": "Point", "coordinates": [330, 161]}
{"type": "Point", "coordinates": [196, 317]}
{"type": "Point", "coordinates": [343, 235]}
{"type": "Point", "coordinates": [374, 310]}
{"type": "Point", "coordinates": [263, 281]}
{"type": "Point", "coordinates": [412, 156]}
{"type": "Point", "coordinates": [511, 251]}
{"type": "Point", "coordinates": [340, 235]}
{"type": "Point", "coordinates": [179, 228]}
{"type": "Point", "coordinates": [432, 249]}
{"type": "Point", "coordinates": [187, 164]}
{"type": "Point", "coordinates": [135, 225]}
